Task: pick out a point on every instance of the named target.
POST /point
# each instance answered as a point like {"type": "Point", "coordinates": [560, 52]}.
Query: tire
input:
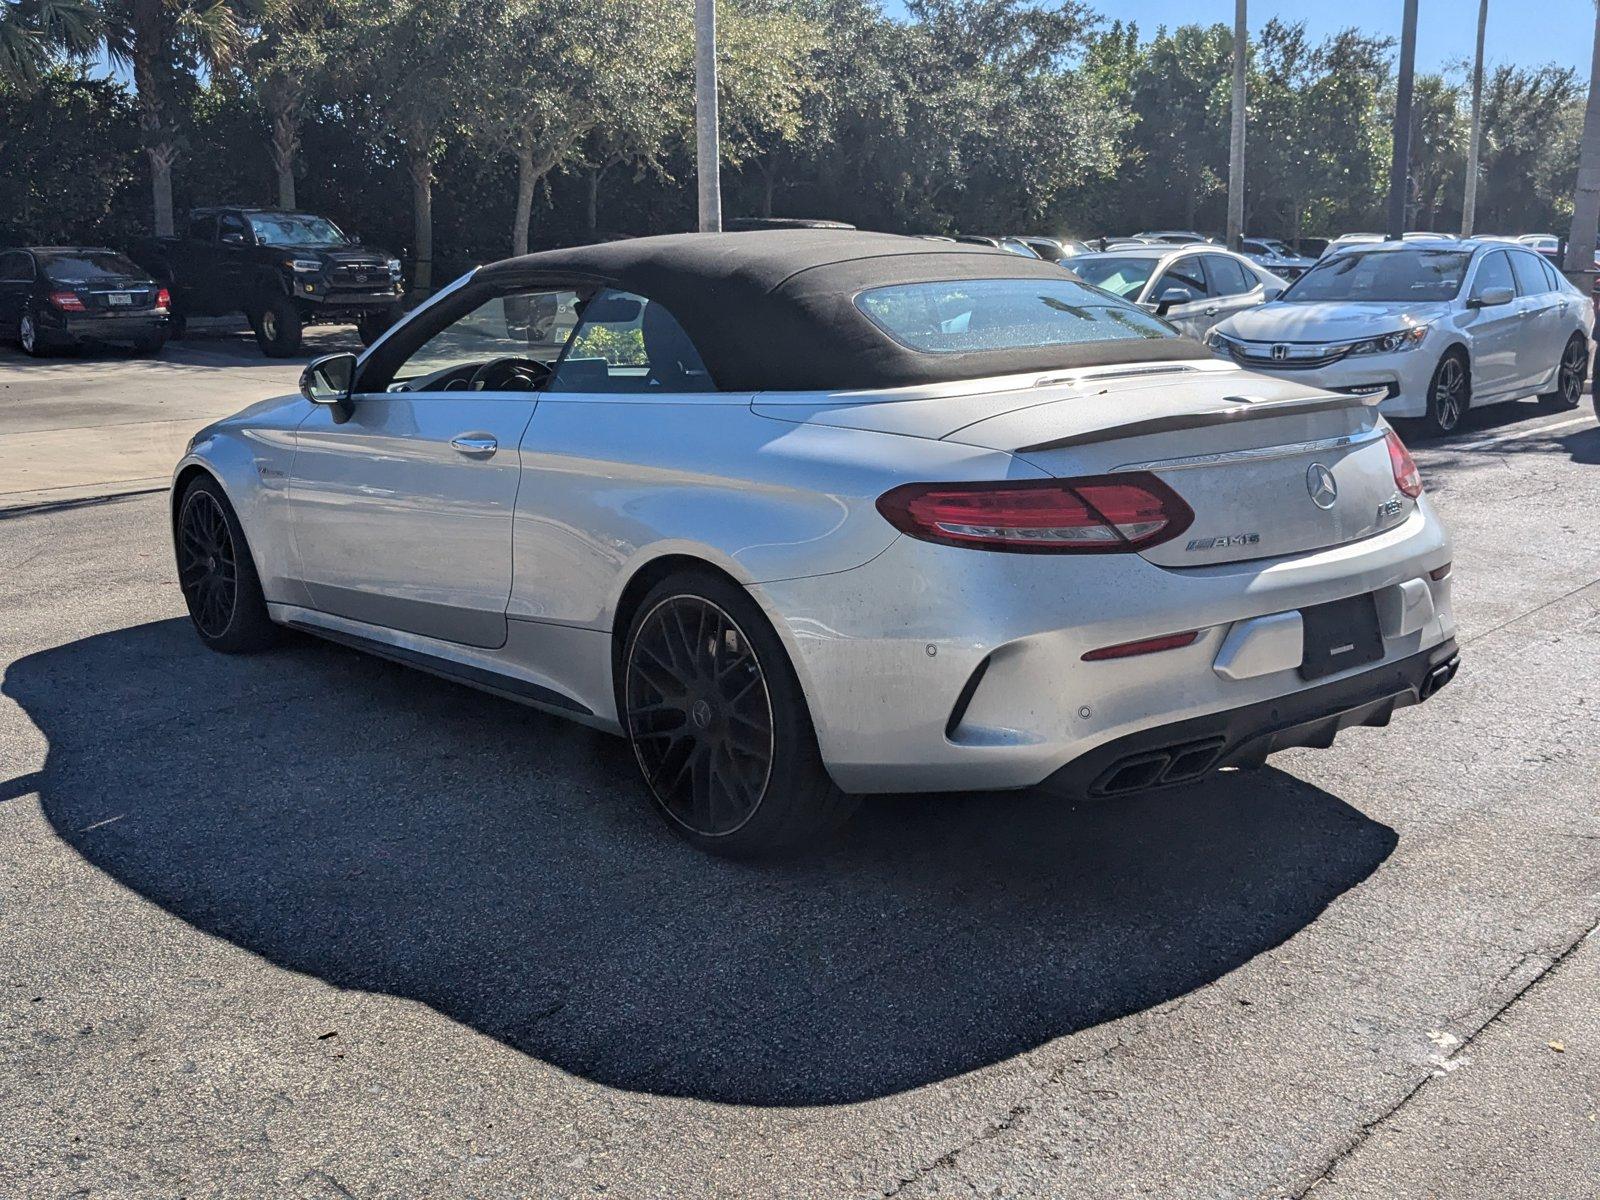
{"type": "Point", "coordinates": [719, 725]}
{"type": "Point", "coordinates": [29, 338]}
{"type": "Point", "coordinates": [373, 324]}
{"type": "Point", "coordinates": [278, 327]}
{"type": "Point", "coordinates": [1571, 374]}
{"type": "Point", "coordinates": [1449, 396]}
{"type": "Point", "coordinates": [217, 574]}
{"type": "Point", "coordinates": [150, 345]}
{"type": "Point", "coordinates": [177, 326]}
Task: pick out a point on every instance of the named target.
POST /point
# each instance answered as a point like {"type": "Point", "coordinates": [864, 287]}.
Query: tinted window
{"type": "Point", "coordinates": [1003, 314]}
{"type": "Point", "coordinates": [526, 325]}
{"type": "Point", "coordinates": [1554, 279]}
{"type": "Point", "coordinates": [1120, 276]}
{"type": "Point", "coordinates": [1185, 276]}
{"type": "Point", "coordinates": [202, 229]}
{"type": "Point", "coordinates": [232, 223]}
{"type": "Point", "coordinates": [627, 344]}
{"type": "Point", "coordinates": [1531, 279]}
{"type": "Point", "coordinates": [1493, 272]}
{"type": "Point", "coordinates": [89, 265]}
{"type": "Point", "coordinates": [1228, 276]}
{"type": "Point", "coordinates": [1383, 276]}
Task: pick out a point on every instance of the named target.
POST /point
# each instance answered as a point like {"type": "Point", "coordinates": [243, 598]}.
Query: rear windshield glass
{"type": "Point", "coordinates": [87, 265]}
{"type": "Point", "coordinates": [1004, 314]}
{"type": "Point", "coordinates": [1383, 276]}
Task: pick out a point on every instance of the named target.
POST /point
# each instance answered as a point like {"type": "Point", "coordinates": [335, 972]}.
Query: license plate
{"type": "Point", "coordinates": [120, 299]}
{"type": "Point", "coordinates": [1339, 636]}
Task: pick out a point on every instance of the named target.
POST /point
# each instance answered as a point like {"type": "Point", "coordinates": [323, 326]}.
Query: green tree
{"type": "Point", "coordinates": [33, 33]}
{"type": "Point", "coordinates": [285, 57]}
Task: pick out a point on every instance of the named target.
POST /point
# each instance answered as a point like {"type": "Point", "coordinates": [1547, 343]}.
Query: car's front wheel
{"type": "Point", "coordinates": [217, 574]}
{"type": "Point", "coordinates": [1449, 394]}
{"type": "Point", "coordinates": [718, 722]}
{"type": "Point", "coordinates": [278, 327]}
{"type": "Point", "coordinates": [1570, 376]}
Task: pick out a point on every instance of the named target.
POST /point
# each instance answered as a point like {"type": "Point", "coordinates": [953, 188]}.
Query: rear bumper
{"type": "Point", "coordinates": [1183, 751]}
{"type": "Point", "coordinates": [95, 327]}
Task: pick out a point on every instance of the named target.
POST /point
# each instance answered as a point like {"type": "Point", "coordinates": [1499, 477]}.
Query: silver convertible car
{"type": "Point", "coordinates": [809, 514]}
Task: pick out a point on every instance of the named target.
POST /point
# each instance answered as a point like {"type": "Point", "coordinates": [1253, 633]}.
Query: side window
{"type": "Point", "coordinates": [202, 229]}
{"type": "Point", "coordinates": [1185, 276]}
{"type": "Point", "coordinates": [627, 344]}
{"type": "Point", "coordinates": [233, 229]}
{"type": "Point", "coordinates": [1493, 272]}
{"type": "Point", "coordinates": [1554, 279]}
{"type": "Point", "coordinates": [1228, 276]}
{"type": "Point", "coordinates": [1531, 280]}
{"type": "Point", "coordinates": [522, 334]}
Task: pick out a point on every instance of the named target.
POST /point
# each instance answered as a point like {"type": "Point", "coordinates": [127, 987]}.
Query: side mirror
{"type": "Point", "coordinates": [1168, 298]}
{"type": "Point", "coordinates": [327, 380]}
{"type": "Point", "coordinates": [1492, 298]}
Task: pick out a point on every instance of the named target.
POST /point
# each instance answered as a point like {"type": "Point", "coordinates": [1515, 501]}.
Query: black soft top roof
{"type": "Point", "coordinates": [774, 310]}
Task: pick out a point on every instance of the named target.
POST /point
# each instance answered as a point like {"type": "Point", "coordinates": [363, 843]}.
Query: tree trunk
{"type": "Point", "coordinates": [283, 105]}
{"type": "Point", "coordinates": [1586, 201]}
{"type": "Point", "coordinates": [420, 165]}
{"type": "Point", "coordinates": [769, 183]}
{"type": "Point", "coordinates": [161, 158]}
{"type": "Point", "coordinates": [1469, 202]}
{"type": "Point", "coordinates": [1241, 55]}
{"type": "Point", "coordinates": [526, 180]}
{"type": "Point", "coordinates": [591, 211]}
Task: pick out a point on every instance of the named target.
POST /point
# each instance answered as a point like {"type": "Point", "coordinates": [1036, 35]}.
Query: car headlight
{"type": "Point", "coordinates": [1216, 341]}
{"type": "Point", "coordinates": [1390, 343]}
{"type": "Point", "coordinates": [394, 268]}
{"type": "Point", "coordinates": [303, 266]}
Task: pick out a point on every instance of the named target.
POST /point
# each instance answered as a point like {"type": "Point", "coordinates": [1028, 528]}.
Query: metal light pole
{"type": "Point", "coordinates": [1400, 165]}
{"type": "Point", "coordinates": [1241, 55]}
{"type": "Point", "coordinates": [707, 153]}
{"type": "Point", "coordinates": [1469, 205]}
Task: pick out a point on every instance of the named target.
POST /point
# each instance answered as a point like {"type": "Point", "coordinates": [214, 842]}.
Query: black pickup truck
{"type": "Point", "coordinates": [283, 270]}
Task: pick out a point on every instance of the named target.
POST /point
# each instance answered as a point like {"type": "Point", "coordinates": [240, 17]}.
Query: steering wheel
{"type": "Point", "coordinates": [511, 374]}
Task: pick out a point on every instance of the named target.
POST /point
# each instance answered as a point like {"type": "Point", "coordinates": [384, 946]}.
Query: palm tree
{"type": "Point", "coordinates": [33, 32]}
{"type": "Point", "coordinates": [1469, 204]}
{"type": "Point", "coordinates": [1586, 200]}
{"type": "Point", "coordinates": [163, 43]}
{"type": "Point", "coordinates": [287, 50]}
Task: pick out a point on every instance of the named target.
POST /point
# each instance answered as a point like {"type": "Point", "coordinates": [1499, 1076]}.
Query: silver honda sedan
{"type": "Point", "coordinates": [809, 514]}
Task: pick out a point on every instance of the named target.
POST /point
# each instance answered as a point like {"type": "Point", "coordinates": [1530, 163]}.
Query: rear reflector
{"type": "Point", "coordinates": [1170, 641]}
{"type": "Point", "coordinates": [66, 301]}
{"type": "Point", "coordinates": [1439, 573]}
{"type": "Point", "coordinates": [1096, 514]}
{"type": "Point", "coordinates": [1406, 476]}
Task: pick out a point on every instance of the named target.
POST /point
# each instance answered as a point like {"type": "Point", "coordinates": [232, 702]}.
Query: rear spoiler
{"type": "Point", "coordinates": [1246, 410]}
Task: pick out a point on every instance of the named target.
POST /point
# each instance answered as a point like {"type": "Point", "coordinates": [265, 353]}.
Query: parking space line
{"type": "Point", "coordinates": [1537, 431]}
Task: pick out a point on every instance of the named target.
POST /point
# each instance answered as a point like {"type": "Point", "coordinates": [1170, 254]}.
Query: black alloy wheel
{"type": "Point", "coordinates": [1570, 377]}
{"type": "Point", "coordinates": [699, 715]}
{"type": "Point", "coordinates": [208, 564]}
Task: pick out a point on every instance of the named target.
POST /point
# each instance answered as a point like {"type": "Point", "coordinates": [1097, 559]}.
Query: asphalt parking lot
{"type": "Point", "coordinates": [310, 924]}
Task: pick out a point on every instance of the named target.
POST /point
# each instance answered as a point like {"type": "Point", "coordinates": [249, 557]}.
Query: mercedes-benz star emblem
{"type": "Point", "coordinates": [1321, 486]}
{"type": "Point", "coordinates": [700, 714]}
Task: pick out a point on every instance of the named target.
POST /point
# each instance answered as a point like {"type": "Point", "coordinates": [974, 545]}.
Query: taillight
{"type": "Point", "coordinates": [66, 301]}
{"type": "Point", "coordinates": [1097, 514]}
{"type": "Point", "coordinates": [163, 299]}
{"type": "Point", "coordinates": [1406, 476]}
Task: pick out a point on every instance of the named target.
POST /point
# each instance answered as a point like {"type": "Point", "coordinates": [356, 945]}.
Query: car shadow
{"type": "Point", "coordinates": [379, 829]}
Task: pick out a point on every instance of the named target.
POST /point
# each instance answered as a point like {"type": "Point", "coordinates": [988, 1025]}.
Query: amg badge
{"type": "Point", "coordinates": [1222, 543]}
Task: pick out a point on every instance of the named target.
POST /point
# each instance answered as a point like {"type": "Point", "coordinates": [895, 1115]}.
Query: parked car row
{"type": "Point", "coordinates": [282, 270]}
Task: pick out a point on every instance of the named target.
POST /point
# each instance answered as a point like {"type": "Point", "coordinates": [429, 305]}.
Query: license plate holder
{"type": "Point", "coordinates": [120, 299]}
{"type": "Point", "coordinates": [1340, 635]}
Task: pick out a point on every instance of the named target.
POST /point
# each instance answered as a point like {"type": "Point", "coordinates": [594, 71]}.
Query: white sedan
{"type": "Point", "coordinates": [1437, 328]}
{"type": "Point", "coordinates": [1192, 286]}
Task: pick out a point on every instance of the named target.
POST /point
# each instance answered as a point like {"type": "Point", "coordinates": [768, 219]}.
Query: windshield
{"type": "Point", "coordinates": [1383, 276]}
{"type": "Point", "coordinates": [1120, 276]}
{"type": "Point", "coordinates": [86, 265]}
{"type": "Point", "coordinates": [295, 229]}
{"type": "Point", "coordinates": [1004, 314]}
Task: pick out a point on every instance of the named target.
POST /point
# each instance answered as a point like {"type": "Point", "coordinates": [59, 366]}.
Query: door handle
{"type": "Point", "coordinates": [1212, 311]}
{"type": "Point", "coordinates": [475, 443]}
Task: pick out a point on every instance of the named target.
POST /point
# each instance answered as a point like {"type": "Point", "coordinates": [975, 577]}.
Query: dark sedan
{"type": "Point", "coordinates": [53, 297]}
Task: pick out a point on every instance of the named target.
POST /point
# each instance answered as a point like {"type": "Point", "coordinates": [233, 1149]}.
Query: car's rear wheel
{"type": "Point", "coordinates": [217, 574]}
{"type": "Point", "coordinates": [278, 327]}
{"type": "Point", "coordinates": [1449, 394]}
{"type": "Point", "coordinates": [719, 725]}
{"type": "Point", "coordinates": [29, 338]}
{"type": "Point", "coordinates": [1570, 376]}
